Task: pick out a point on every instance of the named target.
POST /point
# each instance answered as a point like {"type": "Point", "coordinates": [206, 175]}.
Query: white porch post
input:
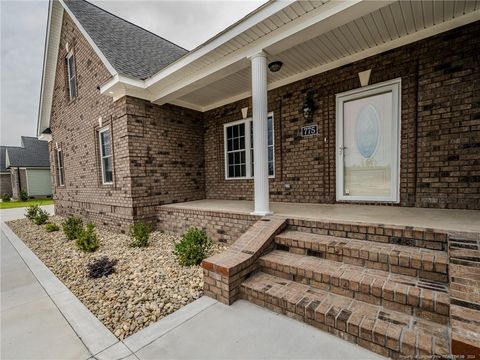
{"type": "Point", "coordinates": [260, 133]}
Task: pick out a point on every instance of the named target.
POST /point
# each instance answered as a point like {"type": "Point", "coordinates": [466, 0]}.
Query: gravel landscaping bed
{"type": "Point", "coordinates": [148, 283]}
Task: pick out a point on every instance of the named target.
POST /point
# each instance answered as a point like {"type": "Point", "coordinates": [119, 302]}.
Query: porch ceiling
{"type": "Point", "coordinates": [317, 48]}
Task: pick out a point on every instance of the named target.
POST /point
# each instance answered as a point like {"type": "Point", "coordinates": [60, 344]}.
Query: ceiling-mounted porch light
{"type": "Point", "coordinates": [275, 66]}
{"type": "Point", "coordinates": [308, 106]}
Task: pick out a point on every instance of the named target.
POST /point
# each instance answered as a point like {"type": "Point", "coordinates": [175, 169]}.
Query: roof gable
{"type": "Point", "coordinates": [130, 49]}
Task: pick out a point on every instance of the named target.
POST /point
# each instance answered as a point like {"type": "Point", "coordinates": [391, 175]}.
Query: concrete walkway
{"type": "Point", "coordinates": [41, 319]}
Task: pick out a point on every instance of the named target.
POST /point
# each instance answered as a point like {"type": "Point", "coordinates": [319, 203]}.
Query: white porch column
{"type": "Point", "coordinates": [260, 133]}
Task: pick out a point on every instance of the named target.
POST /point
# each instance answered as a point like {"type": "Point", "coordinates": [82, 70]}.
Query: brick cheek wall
{"type": "Point", "coordinates": [166, 159]}
{"type": "Point", "coordinates": [222, 227]}
{"type": "Point", "coordinates": [448, 179]}
{"type": "Point", "coordinates": [74, 126]}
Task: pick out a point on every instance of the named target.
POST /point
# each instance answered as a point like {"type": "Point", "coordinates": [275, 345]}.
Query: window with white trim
{"type": "Point", "coordinates": [106, 157]}
{"type": "Point", "coordinates": [239, 149]}
{"type": "Point", "coordinates": [72, 76]}
{"type": "Point", "coordinates": [60, 169]}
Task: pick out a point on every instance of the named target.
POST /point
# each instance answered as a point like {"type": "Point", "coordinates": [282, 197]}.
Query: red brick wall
{"type": "Point", "coordinates": [157, 150]}
{"type": "Point", "coordinates": [166, 159]}
{"type": "Point", "coordinates": [74, 124]}
{"type": "Point", "coordinates": [440, 127]}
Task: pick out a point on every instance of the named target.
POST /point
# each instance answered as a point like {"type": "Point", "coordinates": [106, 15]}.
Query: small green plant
{"type": "Point", "coordinates": [41, 217]}
{"type": "Point", "coordinates": [140, 232]}
{"type": "Point", "coordinates": [51, 227]}
{"type": "Point", "coordinates": [87, 239]}
{"type": "Point", "coordinates": [5, 197]}
{"type": "Point", "coordinates": [193, 247]}
{"type": "Point", "coordinates": [72, 227]}
{"type": "Point", "coordinates": [32, 212]}
{"type": "Point", "coordinates": [101, 267]}
{"type": "Point", "coordinates": [23, 195]}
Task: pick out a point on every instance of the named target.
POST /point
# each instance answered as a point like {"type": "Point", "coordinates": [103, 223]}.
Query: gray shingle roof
{"type": "Point", "coordinates": [131, 50]}
{"type": "Point", "coordinates": [33, 153]}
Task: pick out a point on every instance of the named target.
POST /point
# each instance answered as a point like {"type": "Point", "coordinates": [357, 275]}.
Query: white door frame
{"type": "Point", "coordinates": [394, 86]}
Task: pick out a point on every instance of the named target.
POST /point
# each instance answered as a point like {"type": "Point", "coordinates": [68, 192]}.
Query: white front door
{"type": "Point", "coordinates": [368, 133]}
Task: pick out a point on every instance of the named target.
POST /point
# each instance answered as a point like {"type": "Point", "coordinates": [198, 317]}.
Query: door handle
{"type": "Point", "coordinates": [342, 149]}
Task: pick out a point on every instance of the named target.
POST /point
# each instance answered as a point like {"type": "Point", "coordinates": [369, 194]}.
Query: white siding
{"type": "Point", "coordinates": [39, 182]}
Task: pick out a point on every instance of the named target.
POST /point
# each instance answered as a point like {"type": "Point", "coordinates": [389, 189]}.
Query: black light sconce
{"type": "Point", "coordinates": [275, 66]}
{"type": "Point", "coordinates": [308, 106]}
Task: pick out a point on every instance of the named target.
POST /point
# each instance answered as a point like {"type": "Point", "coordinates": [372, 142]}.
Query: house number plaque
{"type": "Point", "coordinates": [309, 130]}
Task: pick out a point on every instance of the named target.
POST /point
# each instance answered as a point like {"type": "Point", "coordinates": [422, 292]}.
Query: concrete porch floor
{"type": "Point", "coordinates": [445, 219]}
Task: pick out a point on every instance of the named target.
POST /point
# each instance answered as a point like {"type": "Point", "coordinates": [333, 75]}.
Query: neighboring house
{"type": "Point", "coordinates": [27, 168]}
{"type": "Point", "coordinates": [5, 176]}
{"type": "Point", "coordinates": [323, 102]}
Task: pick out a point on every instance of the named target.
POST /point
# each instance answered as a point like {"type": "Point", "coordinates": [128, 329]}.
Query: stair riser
{"type": "Point", "coordinates": [412, 304]}
{"type": "Point", "coordinates": [400, 235]}
{"type": "Point", "coordinates": [404, 265]}
{"type": "Point", "coordinates": [376, 339]}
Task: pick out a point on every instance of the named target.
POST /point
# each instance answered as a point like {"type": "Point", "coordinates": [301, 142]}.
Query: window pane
{"type": "Point", "coordinates": [105, 143]}
{"type": "Point", "coordinates": [71, 67]}
{"type": "Point", "coordinates": [270, 131]}
{"type": "Point", "coordinates": [107, 170]}
{"type": "Point", "coordinates": [241, 128]}
{"type": "Point", "coordinates": [243, 170]}
{"type": "Point", "coordinates": [72, 88]}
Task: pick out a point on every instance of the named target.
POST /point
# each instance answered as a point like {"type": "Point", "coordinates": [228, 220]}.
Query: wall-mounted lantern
{"type": "Point", "coordinates": [308, 106]}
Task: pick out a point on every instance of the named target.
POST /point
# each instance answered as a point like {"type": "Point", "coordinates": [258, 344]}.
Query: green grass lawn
{"type": "Point", "coordinates": [15, 204]}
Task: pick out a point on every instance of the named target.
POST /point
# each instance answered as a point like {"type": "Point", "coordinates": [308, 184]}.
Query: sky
{"type": "Point", "coordinates": [23, 28]}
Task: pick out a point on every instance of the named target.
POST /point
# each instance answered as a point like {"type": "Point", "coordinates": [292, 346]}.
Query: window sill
{"type": "Point", "coordinates": [247, 178]}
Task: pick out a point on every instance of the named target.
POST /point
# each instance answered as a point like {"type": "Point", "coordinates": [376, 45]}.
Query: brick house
{"type": "Point", "coordinates": [339, 103]}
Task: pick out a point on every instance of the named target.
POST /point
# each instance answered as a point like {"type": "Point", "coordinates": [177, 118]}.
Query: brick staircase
{"type": "Point", "coordinates": [387, 292]}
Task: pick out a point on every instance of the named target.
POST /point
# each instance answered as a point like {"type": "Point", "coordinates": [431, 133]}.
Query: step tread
{"type": "Point", "coordinates": [396, 331]}
{"type": "Point", "coordinates": [343, 278]}
{"type": "Point", "coordinates": [398, 255]}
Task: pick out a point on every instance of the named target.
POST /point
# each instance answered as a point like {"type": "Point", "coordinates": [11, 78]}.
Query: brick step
{"type": "Point", "coordinates": [410, 295]}
{"type": "Point", "coordinates": [435, 239]}
{"type": "Point", "coordinates": [400, 259]}
{"type": "Point", "coordinates": [384, 331]}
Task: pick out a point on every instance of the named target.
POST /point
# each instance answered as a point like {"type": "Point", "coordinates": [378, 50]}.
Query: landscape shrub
{"type": "Point", "coordinates": [72, 226]}
{"type": "Point", "coordinates": [51, 227]}
{"type": "Point", "coordinates": [23, 195]}
{"type": "Point", "coordinates": [32, 211]}
{"type": "Point", "coordinates": [101, 267]}
{"type": "Point", "coordinates": [87, 239]}
{"type": "Point", "coordinates": [193, 247]}
{"type": "Point", "coordinates": [5, 197]}
{"type": "Point", "coordinates": [140, 232]}
{"type": "Point", "coordinates": [41, 217]}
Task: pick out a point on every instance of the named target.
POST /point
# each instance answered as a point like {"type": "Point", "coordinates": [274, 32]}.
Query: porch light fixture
{"type": "Point", "coordinates": [275, 66]}
{"type": "Point", "coordinates": [308, 106]}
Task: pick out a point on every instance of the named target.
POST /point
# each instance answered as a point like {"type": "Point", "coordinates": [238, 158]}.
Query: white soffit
{"type": "Point", "coordinates": [395, 25]}
{"type": "Point", "coordinates": [309, 37]}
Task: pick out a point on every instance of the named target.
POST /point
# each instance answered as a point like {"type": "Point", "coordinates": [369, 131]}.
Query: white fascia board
{"type": "Point", "coordinates": [234, 30]}
{"type": "Point", "coordinates": [102, 57]}
{"type": "Point", "coordinates": [323, 12]}
{"type": "Point", "coordinates": [407, 39]}
{"type": "Point", "coordinates": [46, 95]}
{"type": "Point", "coordinates": [188, 105]}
